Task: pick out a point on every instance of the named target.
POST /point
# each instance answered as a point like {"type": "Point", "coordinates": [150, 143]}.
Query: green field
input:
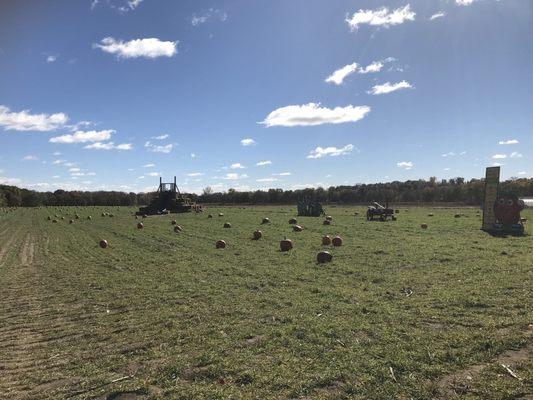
{"type": "Point", "coordinates": [400, 313]}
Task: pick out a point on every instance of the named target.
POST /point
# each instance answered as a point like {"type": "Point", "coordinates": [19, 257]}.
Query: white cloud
{"type": "Point", "coordinates": [29, 158]}
{"type": "Point", "coordinates": [499, 156]}
{"type": "Point", "coordinates": [233, 176]}
{"type": "Point", "coordinates": [266, 180]}
{"type": "Point", "coordinates": [149, 47]}
{"type": "Point", "coordinates": [283, 174]}
{"type": "Point", "coordinates": [198, 19]}
{"type": "Point", "coordinates": [453, 154]}
{"type": "Point", "coordinates": [109, 146]}
{"type": "Point", "coordinates": [51, 59]}
{"type": "Point", "coordinates": [515, 154]}
{"type": "Point", "coordinates": [193, 155]}
{"type": "Point", "coordinates": [150, 165]}
{"type": "Point", "coordinates": [237, 166]}
{"type": "Point", "coordinates": [320, 152]}
{"type": "Point", "coordinates": [193, 174]}
{"type": "Point", "coordinates": [57, 162]}
{"type": "Point", "coordinates": [373, 67]}
{"type": "Point", "coordinates": [248, 142]}
{"type": "Point", "coordinates": [440, 14]}
{"type": "Point", "coordinates": [497, 164]}
{"type": "Point", "coordinates": [74, 170]}
{"type": "Point", "coordinates": [57, 153]}
{"type": "Point", "coordinates": [339, 75]}
{"type": "Point", "coordinates": [507, 142]}
{"type": "Point", "coordinates": [162, 149]}
{"type": "Point", "coordinates": [153, 174]}
{"type": "Point", "coordinates": [312, 114]}
{"type": "Point", "coordinates": [160, 137]}
{"type": "Point", "coordinates": [381, 17]}
{"type": "Point", "coordinates": [405, 164]}
{"type": "Point", "coordinates": [84, 137]}
{"type": "Point", "coordinates": [388, 87]}
{"type": "Point", "coordinates": [263, 163]}
{"type": "Point", "coordinates": [133, 4]}
{"type": "Point", "coordinates": [522, 173]}
{"type": "Point", "coordinates": [140, 177]}
{"type": "Point", "coordinates": [9, 181]}
{"type": "Point", "coordinates": [159, 149]}
{"type": "Point", "coordinates": [464, 2]}
{"type": "Point", "coordinates": [24, 121]}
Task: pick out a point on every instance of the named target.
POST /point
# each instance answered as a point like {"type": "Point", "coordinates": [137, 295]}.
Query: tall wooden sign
{"type": "Point", "coordinates": [492, 183]}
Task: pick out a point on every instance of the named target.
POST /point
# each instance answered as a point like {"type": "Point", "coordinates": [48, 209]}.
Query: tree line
{"type": "Point", "coordinates": [455, 190]}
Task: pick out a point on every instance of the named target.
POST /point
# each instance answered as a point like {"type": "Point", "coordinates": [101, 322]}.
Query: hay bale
{"type": "Point", "coordinates": [220, 244]}
{"type": "Point", "coordinates": [103, 243]}
{"type": "Point", "coordinates": [324, 257]}
{"type": "Point", "coordinates": [326, 222]}
{"type": "Point", "coordinates": [424, 226]}
{"type": "Point", "coordinates": [329, 218]}
{"type": "Point", "coordinates": [178, 228]}
{"type": "Point", "coordinates": [140, 225]}
{"type": "Point", "coordinates": [265, 221]}
{"type": "Point", "coordinates": [257, 235]}
{"type": "Point", "coordinates": [326, 240]}
{"type": "Point", "coordinates": [227, 225]}
{"type": "Point", "coordinates": [292, 221]}
{"type": "Point", "coordinates": [297, 228]}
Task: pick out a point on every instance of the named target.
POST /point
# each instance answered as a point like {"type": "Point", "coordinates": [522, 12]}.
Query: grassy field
{"type": "Point", "coordinates": [400, 313]}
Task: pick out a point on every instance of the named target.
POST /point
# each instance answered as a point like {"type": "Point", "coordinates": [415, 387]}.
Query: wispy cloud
{"type": "Point", "coordinates": [51, 59]}
{"type": "Point", "coordinates": [212, 13]}
{"type": "Point", "coordinates": [388, 87]}
{"type": "Point", "coordinates": [499, 156]}
{"type": "Point", "coordinates": [405, 164]}
{"type": "Point", "coordinates": [320, 152]}
{"type": "Point", "coordinates": [248, 142]}
{"type": "Point", "coordinates": [515, 154]}
{"type": "Point", "coordinates": [266, 180]}
{"type": "Point", "coordinates": [381, 17]}
{"type": "Point", "coordinates": [338, 76]}
{"type": "Point", "coordinates": [440, 14]}
{"type": "Point", "coordinates": [167, 148]}
{"type": "Point", "coordinates": [25, 121]}
{"type": "Point", "coordinates": [464, 2]}
{"type": "Point", "coordinates": [84, 137]}
{"type": "Point", "coordinates": [193, 174]}
{"type": "Point", "coordinates": [160, 137]}
{"type": "Point", "coordinates": [109, 146]}
{"type": "Point", "coordinates": [30, 158]}
{"type": "Point", "coordinates": [507, 142]}
{"type": "Point", "coordinates": [234, 176]}
{"type": "Point", "coordinates": [150, 165]}
{"type": "Point", "coordinates": [263, 163]}
{"type": "Point", "coordinates": [148, 48]}
{"type": "Point", "coordinates": [237, 166]}
{"type": "Point", "coordinates": [312, 114]}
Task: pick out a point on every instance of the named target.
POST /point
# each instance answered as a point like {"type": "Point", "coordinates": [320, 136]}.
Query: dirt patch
{"type": "Point", "coordinates": [27, 251]}
{"type": "Point", "coordinates": [457, 383]}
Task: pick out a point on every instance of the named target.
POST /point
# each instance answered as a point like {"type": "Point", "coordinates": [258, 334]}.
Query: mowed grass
{"type": "Point", "coordinates": [400, 313]}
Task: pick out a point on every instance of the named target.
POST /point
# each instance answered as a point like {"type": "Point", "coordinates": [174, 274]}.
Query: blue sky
{"type": "Point", "coordinates": [252, 94]}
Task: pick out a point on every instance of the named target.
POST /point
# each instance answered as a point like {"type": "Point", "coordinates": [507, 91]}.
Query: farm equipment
{"type": "Point", "coordinates": [310, 208]}
{"type": "Point", "coordinates": [378, 212]}
{"type": "Point", "coordinates": [169, 200]}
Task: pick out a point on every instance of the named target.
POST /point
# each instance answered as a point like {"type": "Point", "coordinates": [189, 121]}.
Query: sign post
{"type": "Point", "coordinates": [492, 183]}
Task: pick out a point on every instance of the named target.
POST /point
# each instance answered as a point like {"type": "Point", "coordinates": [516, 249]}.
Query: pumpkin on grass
{"type": "Point", "coordinates": [324, 257]}
{"type": "Point", "coordinates": [337, 241]}
{"type": "Point", "coordinates": [285, 245]}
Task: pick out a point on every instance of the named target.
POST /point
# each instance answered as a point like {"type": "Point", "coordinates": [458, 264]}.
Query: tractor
{"type": "Point", "coordinates": [169, 200]}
